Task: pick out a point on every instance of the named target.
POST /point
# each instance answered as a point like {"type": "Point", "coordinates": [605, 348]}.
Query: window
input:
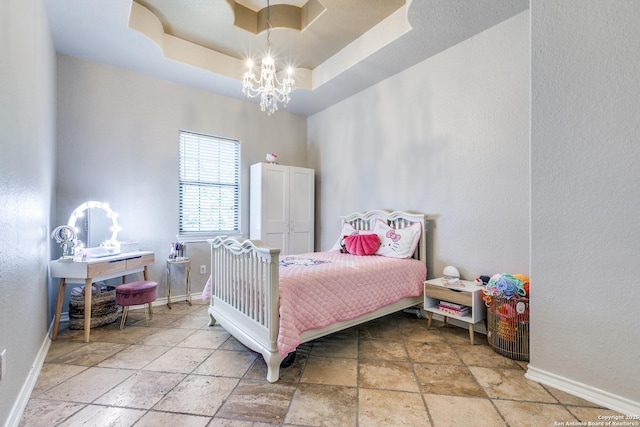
{"type": "Point", "coordinates": [209, 185]}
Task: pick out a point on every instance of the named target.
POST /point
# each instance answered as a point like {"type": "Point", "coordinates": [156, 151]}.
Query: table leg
{"type": "Point", "coordinates": [56, 322]}
{"type": "Point", "coordinates": [145, 273]}
{"type": "Point", "coordinates": [188, 280]}
{"type": "Point", "coordinates": [486, 327]}
{"type": "Point", "coordinates": [169, 285]}
{"type": "Point", "coordinates": [429, 319]}
{"type": "Point", "coordinates": [471, 332]}
{"type": "Point", "coordinates": [87, 309]}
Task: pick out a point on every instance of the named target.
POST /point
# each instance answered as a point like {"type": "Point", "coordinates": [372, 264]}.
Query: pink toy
{"type": "Point", "coordinates": [362, 244]}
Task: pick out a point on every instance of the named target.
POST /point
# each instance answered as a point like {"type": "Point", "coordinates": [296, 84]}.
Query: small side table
{"type": "Point", "coordinates": [468, 294]}
{"type": "Point", "coordinates": [187, 272]}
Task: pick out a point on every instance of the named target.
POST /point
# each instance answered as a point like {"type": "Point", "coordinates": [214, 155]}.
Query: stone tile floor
{"type": "Point", "coordinates": [390, 372]}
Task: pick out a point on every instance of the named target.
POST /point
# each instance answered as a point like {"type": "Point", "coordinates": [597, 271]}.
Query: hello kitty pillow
{"type": "Point", "coordinates": [348, 230]}
{"type": "Point", "coordinates": [398, 243]}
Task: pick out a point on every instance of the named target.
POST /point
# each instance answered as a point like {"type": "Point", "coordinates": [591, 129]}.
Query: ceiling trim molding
{"type": "Point", "coordinates": [280, 16]}
{"type": "Point", "coordinates": [177, 49]}
{"type": "Point", "coordinates": [391, 28]}
{"type": "Point", "coordinates": [174, 48]}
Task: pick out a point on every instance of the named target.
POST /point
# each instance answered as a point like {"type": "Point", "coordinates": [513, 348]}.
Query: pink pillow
{"type": "Point", "coordinates": [347, 230]}
{"type": "Point", "coordinates": [362, 244]}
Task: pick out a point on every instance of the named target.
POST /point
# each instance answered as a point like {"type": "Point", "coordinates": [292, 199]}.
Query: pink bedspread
{"type": "Point", "coordinates": [322, 288]}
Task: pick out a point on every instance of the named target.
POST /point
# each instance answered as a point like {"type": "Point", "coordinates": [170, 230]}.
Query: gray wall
{"type": "Point", "coordinates": [27, 138]}
{"type": "Point", "coordinates": [448, 137]}
{"type": "Point", "coordinates": [585, 196]}
{"type": "Point", "coordinates": [118, 142]}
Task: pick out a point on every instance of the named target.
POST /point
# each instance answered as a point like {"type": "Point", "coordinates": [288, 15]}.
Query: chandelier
{"type": "Point", "coordinates": [268, 87]}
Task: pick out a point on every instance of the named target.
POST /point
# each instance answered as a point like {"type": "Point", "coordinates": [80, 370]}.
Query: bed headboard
{"type": "Point", "coordinates": [395, 219]}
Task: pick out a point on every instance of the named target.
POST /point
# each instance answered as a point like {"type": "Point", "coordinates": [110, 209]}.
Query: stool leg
{"type": "Point", "coordinates": [125, 311]}
{"type": "Point", "coordinates": [150, 311]}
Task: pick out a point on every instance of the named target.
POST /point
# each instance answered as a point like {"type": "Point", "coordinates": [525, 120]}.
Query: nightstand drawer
{"type": "Point", "coordinates": [451, 295]}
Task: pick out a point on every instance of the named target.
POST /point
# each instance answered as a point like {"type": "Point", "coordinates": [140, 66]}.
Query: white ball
{"type": "Point", "coordinates": [450, 272]}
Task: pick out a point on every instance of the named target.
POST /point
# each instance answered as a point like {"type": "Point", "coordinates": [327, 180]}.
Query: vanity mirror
{"type": "Point", "coordinates": [95, 224]}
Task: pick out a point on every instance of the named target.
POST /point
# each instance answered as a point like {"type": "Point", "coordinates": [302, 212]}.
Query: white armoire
{"type": "Point", "coordinates": [282, 207]}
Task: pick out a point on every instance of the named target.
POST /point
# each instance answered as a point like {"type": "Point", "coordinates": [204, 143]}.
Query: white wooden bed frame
{"type": "Point", "coordinates": [245, 281]}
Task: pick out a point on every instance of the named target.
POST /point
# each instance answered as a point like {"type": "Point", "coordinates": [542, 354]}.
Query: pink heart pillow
{"type": "Point", "coordinates": [362, 244]}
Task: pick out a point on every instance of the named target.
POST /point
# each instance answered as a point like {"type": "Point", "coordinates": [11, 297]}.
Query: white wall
{"type": "Point", "coordinates": [585, 152]}
{"type": "Point", "coordinates": [118, 142]}
{"type": "Point", "coordinates": [449, 138]}
{"type": "Point", "coordinates": [27, 138]}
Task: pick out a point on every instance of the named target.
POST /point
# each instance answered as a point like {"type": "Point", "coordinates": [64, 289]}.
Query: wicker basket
{"type": "Point", "coordinates": [103, 308]}
{"type": "Point", "coordinates": [508, 327]}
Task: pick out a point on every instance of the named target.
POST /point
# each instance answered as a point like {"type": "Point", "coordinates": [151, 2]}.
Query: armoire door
{"type": "Point", "coordinates": [270, 205]}
{"type": "Point", "coordinates": [301, 209]}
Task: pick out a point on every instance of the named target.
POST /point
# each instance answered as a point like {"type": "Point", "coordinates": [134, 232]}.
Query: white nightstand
{"type": "Point", "coordinates": [469, 295]}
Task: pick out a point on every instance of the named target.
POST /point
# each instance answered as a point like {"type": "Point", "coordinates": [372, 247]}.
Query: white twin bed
{"type": "Point", "coordinates": [274, 304]}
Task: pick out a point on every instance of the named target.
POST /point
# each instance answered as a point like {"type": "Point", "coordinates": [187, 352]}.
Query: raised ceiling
{"type": "Point", "coordinates": [337, 47]}
{"type": "Point", "coordinates": [304, 36]}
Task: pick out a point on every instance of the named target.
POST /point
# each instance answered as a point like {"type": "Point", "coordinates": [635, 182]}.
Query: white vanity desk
{"type": "Point", "coordinates": [93, 270]}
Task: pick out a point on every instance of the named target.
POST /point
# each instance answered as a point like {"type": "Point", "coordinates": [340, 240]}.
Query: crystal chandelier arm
{"type": "Point", "coordinates": [248, 84]}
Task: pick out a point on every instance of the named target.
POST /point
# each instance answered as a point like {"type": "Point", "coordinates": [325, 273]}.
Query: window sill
{"type": "Point", "coordinates": [204, 237]}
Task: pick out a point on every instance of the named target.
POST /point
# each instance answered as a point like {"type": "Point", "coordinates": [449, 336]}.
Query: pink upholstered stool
{"type": "Point", "coordinates": [136, 293]}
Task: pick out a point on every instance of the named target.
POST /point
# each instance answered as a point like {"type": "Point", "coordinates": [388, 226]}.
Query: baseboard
{"type": "Point", "coordinates": [177, 298]}
{"type": "Point", "coordinates": [25, 392]}
{"type": "Point", "coordinates": [586, 392]}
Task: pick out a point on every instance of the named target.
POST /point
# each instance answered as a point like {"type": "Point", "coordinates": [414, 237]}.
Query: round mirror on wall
{"type": "Point", "coordinates": [95, 224]}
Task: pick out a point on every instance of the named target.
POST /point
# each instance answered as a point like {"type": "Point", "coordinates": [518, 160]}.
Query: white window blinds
{"type": "Point", "coordinates": [209, 185]}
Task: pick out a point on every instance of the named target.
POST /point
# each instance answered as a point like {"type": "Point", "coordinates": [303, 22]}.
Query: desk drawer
{"type": "Point", "coordinates": [451, 295]}
{"type": "Point", "coordinates": [104, 268]}
{"type": "Point", "coordinates": [139, 261]}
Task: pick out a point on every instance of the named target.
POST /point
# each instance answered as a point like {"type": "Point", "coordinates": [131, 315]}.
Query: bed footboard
{"type": "Point", "coordinates": [244, 295]}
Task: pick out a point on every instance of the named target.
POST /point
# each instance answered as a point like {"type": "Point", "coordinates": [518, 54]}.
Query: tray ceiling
{"type": "Point", "coordinates": [337, 47]}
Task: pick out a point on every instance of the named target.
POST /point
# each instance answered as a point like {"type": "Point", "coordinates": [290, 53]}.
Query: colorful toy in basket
{"type": "Point", "coordinates": [524, 279]}
{"type": "Point", "coordinates": [506, 286]}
